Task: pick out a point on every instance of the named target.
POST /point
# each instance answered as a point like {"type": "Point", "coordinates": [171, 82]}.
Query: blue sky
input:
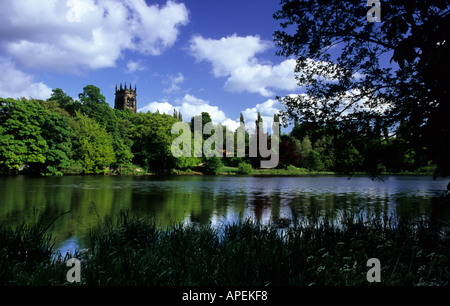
{"type": "Point", "coordinates": [192, 55]}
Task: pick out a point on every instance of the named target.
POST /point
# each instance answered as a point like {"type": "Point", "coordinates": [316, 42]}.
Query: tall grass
{"type": "Point", "coordinates": [314, 251]}
{"type": "Point", "coordinates": [26, 248]}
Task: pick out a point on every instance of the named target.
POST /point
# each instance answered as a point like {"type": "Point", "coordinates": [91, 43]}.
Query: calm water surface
{"type": "Point", "coordinates": [207, 199]}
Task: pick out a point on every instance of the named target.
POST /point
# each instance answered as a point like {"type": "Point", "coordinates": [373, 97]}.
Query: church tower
{"type": "Point", "coordinates": [125, 98]}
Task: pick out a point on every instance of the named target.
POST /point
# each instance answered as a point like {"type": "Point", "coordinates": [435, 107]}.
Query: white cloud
{"type": "Point", "coordinates": [162, 107]}
{"type": "Point", "coordinates": [189, 99]}
{"type": "Point", "coordinates": [232, 125]}
{"type": "Point", "coordinates": [75, 35]}
{"type": "Point", "coordinates": [190, 106]}
{"type": "Point", "coordinates": [174, 81]}
{"type": "Point", "coordinates": [267, 110]}
{"type": "Point", "coordinates": [133, 66]}
{"type": "Point", "coordinates": [17, 84]}
{"type": "Point", "coordinates": [234, 57]}
{"type": "Point", "coordinates": [191, 110]}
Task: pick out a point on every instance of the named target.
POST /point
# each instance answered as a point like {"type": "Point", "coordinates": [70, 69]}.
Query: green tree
{"type": "Point", "coordinates": [183, 162]}
{"type": "Point", "coordinates": [313, 161]}
{"type": "Point", "coordinates": [354, 84]}
{"type": "Point", "coordinates": [21, 140]}
{"type": "Point", "coordinates": [205, 118]}
{"type": "Point", "coordinates": [241, 119]}
{"type": "Point", "coordinates": [304, 150]}
{"type": "Point", "coordinates": [349, 159]}
{"type": "Point", "coordinates": [152, 140]}
{"type": "Point", "coordinates": [90, 98]}
{"type": "Point", "coordinates": [58, 134]}
{"type": "Point", "coordinates": [93, 146]}
{"type": "Point", "coordinates": [245, 168]}
{"type": "Point", "coordinates": [325, 148]}
{"type": "Point", "coordinates": [32, 138]}
{"type": "Point", "coordinates": [94, 105]}
{"type": "Point", "coordinates": [212, 165]}
{"type": "Point", "coordinates": [255, 137]}
{"type": "Point", "coordinates": [276, 119]}
{"type": "Point", "coordinates": [66, 102]}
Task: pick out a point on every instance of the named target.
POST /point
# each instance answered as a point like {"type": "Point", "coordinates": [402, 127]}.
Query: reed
{"type": "Point", "coordinates": [314, 251]}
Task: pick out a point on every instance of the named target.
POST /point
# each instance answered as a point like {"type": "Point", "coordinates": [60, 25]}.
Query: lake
{"type": "Point", "coordinates": [208, 199]}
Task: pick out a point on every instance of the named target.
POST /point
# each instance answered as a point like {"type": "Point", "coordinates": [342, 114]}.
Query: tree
{"type": "Point", "coordinates": [241, 119]}
{"type": "Point", "coordinates": [205, 118]}
{"type": "Point", "coordinates": [313, 161]}
{"type": "Point", "coordinates": [290, 152]}
{"type": "Point", "coordinates": [349, 159]}
{"type": "Point", "coordinates": [21, 140]}
{"type": "Point", "coordinates": [245, 168]}
{"type": "Point", "coordinates": [152, 140]}
{"type": "Point", "coordinates": [305, 148]}
{"type": "Point", "coordinates": [32, 138]}
{"type": "Point", "coordinates": [93, 146]}
{"type": "Point", "coordinates": [91, 95]}
{"type": "Point", "coordinates": [212, 165]}
{"type": "Point", "coordinates": [325, 148]}
{"type": "Point", "coordinates": [256, 160]}
{"type": "Point", "coordinates": [276, 119]}
{"type": "Point", "coordinates": [354, 84]}
{"type": "Point", "coordinates": [66, 102]}
{"type": "Point", "coordinates": [58, 134]}
{"type": "Point", "coordinates": [94, 105]}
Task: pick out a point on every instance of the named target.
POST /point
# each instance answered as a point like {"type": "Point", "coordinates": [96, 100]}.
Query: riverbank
{"type": "Point", "coordinates": [290, 171]}
{"type": "Point", "coordinates": [313, 251]}
{"type": "Point", "coordinates": [133, 170]}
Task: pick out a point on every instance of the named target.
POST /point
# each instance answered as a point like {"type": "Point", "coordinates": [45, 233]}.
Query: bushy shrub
{"type": "Point", "coordinates": [212, 165]}
{"type": "Point", "coordinates": [292, 168]}
{"type": "Point", "coordinates": [245, 168]}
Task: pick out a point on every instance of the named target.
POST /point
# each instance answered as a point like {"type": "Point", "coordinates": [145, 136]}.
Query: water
{"type": "Point", "coordinates": [207, 199]}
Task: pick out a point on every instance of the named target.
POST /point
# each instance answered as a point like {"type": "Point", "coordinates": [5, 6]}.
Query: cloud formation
{"type": "Point", "coordinates": [78, 35]}
{"type": "Point", "coordinates": [17, 84]}
{"type": "Point", "coordinates": [174, 81]}
{"type": "Point", "coordinates": [234, 57]}
{"type": "Point", "coordinates": [267, 110]}
{"type": "Point", "coordinates": [190, 106]}
{"type": "Point", "coordinates": [133, 66]}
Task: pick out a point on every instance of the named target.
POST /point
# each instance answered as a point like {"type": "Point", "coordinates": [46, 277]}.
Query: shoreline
{"type": "Point", "coordinates": [272, 172]}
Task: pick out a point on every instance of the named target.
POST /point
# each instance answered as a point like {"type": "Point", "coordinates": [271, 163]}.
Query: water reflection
{"type": "Point", "coordinates": [205, 199]}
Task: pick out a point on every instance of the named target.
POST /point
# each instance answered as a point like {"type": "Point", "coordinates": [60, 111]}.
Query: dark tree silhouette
{"type": "Point", "coordinates": [387, 74]}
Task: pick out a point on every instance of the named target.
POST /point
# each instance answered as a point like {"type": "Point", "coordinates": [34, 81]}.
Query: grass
{"type": "Point", "coordinates": [291, 170]}
{"type": "Point", "coordinates": [315, 251]}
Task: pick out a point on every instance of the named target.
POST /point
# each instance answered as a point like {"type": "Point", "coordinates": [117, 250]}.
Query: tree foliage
{"type": "Point", "coordinates": [93, 146]}
{"type": "Point", "coordinates": [32, 138]}
{"type": "Point", "coordinates": [86, 136]}
{"type": "Point", "coordinates": [152, 138]}
{"type": "Point", "coordinates": [343, 63]}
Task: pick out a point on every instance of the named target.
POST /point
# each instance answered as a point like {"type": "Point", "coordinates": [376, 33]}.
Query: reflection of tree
{"type": "Point", "coordinates": [259, 203]}
{"type": "Point", "coordinates": [171, 200]}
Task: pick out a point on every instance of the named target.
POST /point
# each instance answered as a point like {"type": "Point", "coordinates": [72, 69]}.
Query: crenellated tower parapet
{"type": "Point", "coordinates": [125, 98]}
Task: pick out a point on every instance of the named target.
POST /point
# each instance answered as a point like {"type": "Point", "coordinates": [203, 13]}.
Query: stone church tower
{"type": "Point", "coordinates": [125, 98]}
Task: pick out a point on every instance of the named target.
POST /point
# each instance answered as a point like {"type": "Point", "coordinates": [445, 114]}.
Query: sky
{"type": "Point", "coordinates": [194, 55]}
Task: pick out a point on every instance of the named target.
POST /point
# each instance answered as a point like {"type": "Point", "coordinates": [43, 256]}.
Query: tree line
{"type": "Point", "coordinates": [86, 136]}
